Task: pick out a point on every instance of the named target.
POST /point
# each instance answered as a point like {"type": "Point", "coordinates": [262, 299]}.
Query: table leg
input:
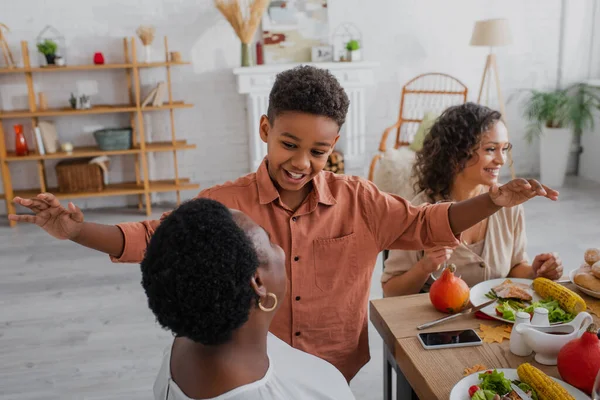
{"type": "Point", "coordinates": [403, 389]}
{"type": "Point", "coordinates": [387, 376]}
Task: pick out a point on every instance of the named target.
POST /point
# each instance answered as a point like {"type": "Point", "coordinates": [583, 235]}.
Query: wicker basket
{"type": "Point", "coordinates": [79, 176]}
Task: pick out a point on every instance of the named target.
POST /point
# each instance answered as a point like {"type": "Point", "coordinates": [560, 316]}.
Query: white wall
{"type": "Point", "coordinates": [590, 161]}
{"type": "Point", "coordinates": [408, 37]}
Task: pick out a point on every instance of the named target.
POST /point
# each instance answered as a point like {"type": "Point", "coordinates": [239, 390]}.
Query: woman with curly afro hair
{"type": "Point", "coordinates": [461, 158]}
{"type": "Point", "coordinates": [214, 279]}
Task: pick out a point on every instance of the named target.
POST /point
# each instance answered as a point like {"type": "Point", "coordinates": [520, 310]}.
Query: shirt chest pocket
{"type": "Point", "coordinates": [335, 261]}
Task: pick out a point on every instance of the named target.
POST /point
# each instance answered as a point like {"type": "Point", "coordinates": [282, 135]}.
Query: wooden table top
{"type": "Point", "coordinates": [433, 373]}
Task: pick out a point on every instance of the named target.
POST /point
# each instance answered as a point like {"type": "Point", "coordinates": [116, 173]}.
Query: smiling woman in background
{"type": "Point", "coordinates": [461, 158]}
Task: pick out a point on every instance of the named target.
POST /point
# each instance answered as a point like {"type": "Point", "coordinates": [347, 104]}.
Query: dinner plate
{"type": "Point", "coordinates": [460, 391]}
{"type": "Point", "coordinates": [584, 290]}
{"type": "Point", "coordinates": [478, 292]}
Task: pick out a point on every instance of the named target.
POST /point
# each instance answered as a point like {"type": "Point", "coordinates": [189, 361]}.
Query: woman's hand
{"type": "Point", "coordinates": [547, 265]}
{"type": "Point", "coordinates": [434, 257]}
{"type": "Point", "coordinates": [518, 191]}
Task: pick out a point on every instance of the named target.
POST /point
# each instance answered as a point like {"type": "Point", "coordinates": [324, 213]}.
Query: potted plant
{"type": "Point", "coordinates": [48, 49]}
{"type": "Point", "coordinates": [353, 49]}
{"type": "Point", "coordinates": [554, 117]}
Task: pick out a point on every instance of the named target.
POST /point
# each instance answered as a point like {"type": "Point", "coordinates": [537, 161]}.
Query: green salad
{"type": "Point", "coordinates": [508, 308]}
{"type": "Point", "coordinates": [493, 383]}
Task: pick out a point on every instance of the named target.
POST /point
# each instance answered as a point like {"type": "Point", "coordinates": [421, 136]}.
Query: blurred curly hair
{"type": "Point", "coordinates": [452, 141]}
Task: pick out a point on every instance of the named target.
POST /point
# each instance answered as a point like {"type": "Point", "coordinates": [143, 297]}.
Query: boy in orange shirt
{"type": "Point", "coordinates": [331, 227]}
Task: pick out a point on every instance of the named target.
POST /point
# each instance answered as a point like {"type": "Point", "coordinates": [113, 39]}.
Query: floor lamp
{"type": "Point", "coordinates": [492, 33]}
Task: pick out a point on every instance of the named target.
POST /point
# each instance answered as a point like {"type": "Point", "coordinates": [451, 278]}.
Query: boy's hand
{"type": "Point", "coordinates": [518, 191]}
{"type": "Point", "coordinates": [51, 216]}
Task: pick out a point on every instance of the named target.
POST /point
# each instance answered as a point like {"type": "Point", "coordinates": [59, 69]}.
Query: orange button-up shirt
{"type": "Point", "coordinates": [331, 244]}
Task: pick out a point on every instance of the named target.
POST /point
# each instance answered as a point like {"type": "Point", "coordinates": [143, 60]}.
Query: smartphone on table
{"type": "Point", "coordinates": [449, 339]}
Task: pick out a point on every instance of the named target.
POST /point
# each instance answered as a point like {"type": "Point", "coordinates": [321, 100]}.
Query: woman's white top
{"type": "Point", "coordinates": [292, 374]}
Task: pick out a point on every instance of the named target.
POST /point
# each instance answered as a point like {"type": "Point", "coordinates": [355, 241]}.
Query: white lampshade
{"type": "Point", "coordinates": [491, 33]}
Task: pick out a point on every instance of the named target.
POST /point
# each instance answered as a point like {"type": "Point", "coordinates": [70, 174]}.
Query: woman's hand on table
{"type": "Point", "coordinates": [547, 265]}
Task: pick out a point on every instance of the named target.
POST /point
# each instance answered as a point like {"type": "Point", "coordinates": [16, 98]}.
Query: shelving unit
{"type": "Point", "coordinates": [142, 187]}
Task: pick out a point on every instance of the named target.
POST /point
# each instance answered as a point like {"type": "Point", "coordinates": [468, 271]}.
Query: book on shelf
{"type": "Point", "coordinates": [49, 136]}
{"type": "Point", "coordinates": [156, 95]}
{"type": "Point", "coordinates": [38, 141]}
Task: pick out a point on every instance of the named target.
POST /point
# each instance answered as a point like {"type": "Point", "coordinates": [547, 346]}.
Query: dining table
{"type": "Point", "coordinates": [433, 373]}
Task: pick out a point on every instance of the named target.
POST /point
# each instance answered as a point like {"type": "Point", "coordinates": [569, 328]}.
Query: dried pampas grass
{"type": "Point", "coordinates": [146, 34]}
{"type": "Point", "coordinates": [243, 15]}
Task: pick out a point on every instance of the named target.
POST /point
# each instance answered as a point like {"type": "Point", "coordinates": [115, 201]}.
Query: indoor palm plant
{"type": "Point", "coordinates": [554, 117]}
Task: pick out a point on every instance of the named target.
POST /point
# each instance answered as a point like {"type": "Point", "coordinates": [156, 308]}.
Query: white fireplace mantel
{"type": "Point", "coordinates": [355, 77]}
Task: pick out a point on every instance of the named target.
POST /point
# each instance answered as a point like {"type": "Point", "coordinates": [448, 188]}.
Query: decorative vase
{"type": "Point", "coordinates": [21, 148]}
{"type": "Point", "coordinates": [246, 55]}
{"type": "Point", "coordinates": [98, 58]}
{"type": "Point", "coordinates": [148, 53]}
{"type": "Point", "coordinates": [354, 55]}
{"type": "Point", "coordinates": [259, 54]}
{"type": "Point", "coordinates": [555, 145]}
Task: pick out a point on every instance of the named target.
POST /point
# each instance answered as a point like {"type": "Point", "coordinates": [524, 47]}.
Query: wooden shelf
{"type": "Point", "coordinates": [93, 151]}
{"type": "Point", "coordinates": [131, 67]}
{"type": "Point", "coordinates": [12, 70]}
{"type": "Point", "coordinates": [88, 67]}
{"type": "Point", "coordinates": [53, 112]}
{"type": "Point", "coordinates": [156, 147]}
{"type": "Point", "coordinates": [83, 67]}
{"type": "Point", "coordinates": [100, 109]}
{"type": "Point", "coordinates": [161, 64]}
{"type": "Point", "coordinates": [167, 106]}
{"type": "Point", "coordinates": [117, 189]}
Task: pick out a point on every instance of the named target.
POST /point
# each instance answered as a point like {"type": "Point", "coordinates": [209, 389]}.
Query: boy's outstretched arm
{"type": "Point", "coordinates": [465, 214]}
{"type": "Point", "coordinates": [396, 224]}
{"type": "Point", "coordinates": [67, 223]}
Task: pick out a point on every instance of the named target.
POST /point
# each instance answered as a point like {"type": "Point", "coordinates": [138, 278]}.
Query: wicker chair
{"type": "Point", "coordinates": [431, 92]}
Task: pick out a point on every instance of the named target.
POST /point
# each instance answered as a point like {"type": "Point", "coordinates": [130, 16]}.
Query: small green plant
{"type": "Point", "coordinates": [47, 47]}
{"type": "Point", "coordinates": [352, 45]}
{"type": "Point", "coordinates": [573, 107]}
{"type": "Point", "coordinates": [73, 101]}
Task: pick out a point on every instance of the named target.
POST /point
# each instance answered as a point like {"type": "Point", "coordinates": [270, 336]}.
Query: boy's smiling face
{"type": "Point", "coordinates": [298, 145]}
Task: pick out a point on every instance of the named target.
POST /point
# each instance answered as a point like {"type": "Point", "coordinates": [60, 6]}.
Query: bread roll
{"type": "Point", "coordinates": [585, 267]}
{"type": "Point", "coordinates": [587, 281]}
{"type": "Point", "coordinates": [596, 269]}
{"type": "Point", "coordinates": [592, 256]}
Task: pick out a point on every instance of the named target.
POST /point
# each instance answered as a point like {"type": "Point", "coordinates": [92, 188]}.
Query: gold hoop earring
{"type": "Point", "coordinates": [265, 309]}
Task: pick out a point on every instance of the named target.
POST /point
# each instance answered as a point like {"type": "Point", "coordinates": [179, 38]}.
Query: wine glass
{"type": "Point", "coordinates": [596, 389]}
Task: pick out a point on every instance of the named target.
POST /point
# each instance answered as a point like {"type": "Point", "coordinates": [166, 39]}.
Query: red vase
{"type": "Point", "coordinates": [98, 58]}
{"type": "Point", "coordinates": [259, 54]}
{"type": "Point", "coordinates": [21, 148]}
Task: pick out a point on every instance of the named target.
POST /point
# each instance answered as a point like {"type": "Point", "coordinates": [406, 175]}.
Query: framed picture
{"type": "Point", "coordinates": [322, 54]}
{"type": "Point", "coordinates": [290, 28]}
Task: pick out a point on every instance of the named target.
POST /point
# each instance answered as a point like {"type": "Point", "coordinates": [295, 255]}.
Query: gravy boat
{"type": "Point", "coordinates": [547, 341]}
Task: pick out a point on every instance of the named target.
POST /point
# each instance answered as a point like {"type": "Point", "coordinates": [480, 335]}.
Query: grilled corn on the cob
{"type": "Point", "coordinates": [545, 387]}
{"type": "Point", "coordinates": [570, 301]}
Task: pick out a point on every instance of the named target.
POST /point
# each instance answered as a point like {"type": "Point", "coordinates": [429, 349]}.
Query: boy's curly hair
{"type": "Point", "coordinates": [196, 272]}
{"type": "Point", "coordinates": [309, 90]}
{"type": "Point", "coordinates": [449, 145]}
